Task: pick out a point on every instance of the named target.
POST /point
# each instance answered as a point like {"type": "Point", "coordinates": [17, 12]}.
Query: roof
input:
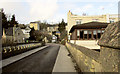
{"type": "Point", "coordinates": [52, 25]}
{"type": "Point", "coordinates": [111, 36]}
{"type": "Point", "coordinates": [33, 22]}
{"type": "Point", "coordinates": [9, 31]}
{"type": "Point", "coordinates": [27, 28]}
{"type": "Point", "coordinates": [89, 25]}
{"type": "Point", "coordinates": [57, 32]}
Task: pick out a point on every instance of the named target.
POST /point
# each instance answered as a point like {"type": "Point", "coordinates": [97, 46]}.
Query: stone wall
{"type": "Point", "coordinates": [91, 44]}
{"type": "Point", "coordinates": [86, 59]}
{"type": "Point", "coordinates": [110, 59]}
{"type": "Point", "coordinates": [107, 60]}
{"type": "Point", "coordinates": [110, 48]}
{"type": "Point", "coordinates": [15, 50]}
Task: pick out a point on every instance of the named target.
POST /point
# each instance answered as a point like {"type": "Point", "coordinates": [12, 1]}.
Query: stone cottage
{"type": "Point", "coordinates": [14, 35]}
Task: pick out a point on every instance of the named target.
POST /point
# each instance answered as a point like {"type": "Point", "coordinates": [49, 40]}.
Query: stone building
{"type": "Point", "coordinates": [88, 31]}
{"type": "Point", "coordinates": [14, 35]}
{"type": "Point", "coordinates": [87, 34]}
{"type": "Point", "coordinates": [73, 19]}
{"type": "Point", "coordinates": [52, 28]}
{"type": "Point", "coordinates": [26, 32]}
{"type": "Point", "coordinates": [35, 25]}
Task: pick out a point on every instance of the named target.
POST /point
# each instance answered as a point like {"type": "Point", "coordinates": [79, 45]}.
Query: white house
{"type": "Point", "coordinates": [26, 32]}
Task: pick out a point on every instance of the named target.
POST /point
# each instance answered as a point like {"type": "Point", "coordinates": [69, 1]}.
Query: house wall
{"type": "Point", "coordinates": [74, 35]}
{"type": "Point", "coordinates": [26, 33]}
{"type": "Point", "coordinates": [15, 36]}
{"type": "Point", "coordinates": [35, 25]}
{"type": "Point", "coordinates": [52, 28]}
{"type": "Point", "coordinates": [18, 35]}
{"type": "Point", "coordinates": [91, 44]}
{"type": "Point", "coordinates": [71, 19]}
{"type": "Point", "coordinates": [9, 39]}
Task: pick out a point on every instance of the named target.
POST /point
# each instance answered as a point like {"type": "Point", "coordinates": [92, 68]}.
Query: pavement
{"type": "Point", "coordinates": [63, 61]}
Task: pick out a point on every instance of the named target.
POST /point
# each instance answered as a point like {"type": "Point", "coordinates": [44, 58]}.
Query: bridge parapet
{"type": "Point", "coordinates": [86, 59]}
{"type": "Point", "coordinates": [110, 48]}
{"type": "Point", "coordinates": [107, 60]}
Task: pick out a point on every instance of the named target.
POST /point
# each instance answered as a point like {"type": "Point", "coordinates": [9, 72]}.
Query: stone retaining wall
{"type": "Point", "coordinates": [86, 59]}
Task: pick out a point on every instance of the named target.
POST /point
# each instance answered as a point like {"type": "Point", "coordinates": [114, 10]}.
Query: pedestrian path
{"type": "Point", "coordinates": [63, 61]}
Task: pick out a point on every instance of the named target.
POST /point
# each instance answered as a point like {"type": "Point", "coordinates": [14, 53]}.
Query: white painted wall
{"type": "Point", "coordinates": [91, 44]}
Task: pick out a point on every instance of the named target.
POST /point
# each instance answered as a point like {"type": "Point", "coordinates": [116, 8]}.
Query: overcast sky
{"type": "Point", "coordinates": [27, 11]}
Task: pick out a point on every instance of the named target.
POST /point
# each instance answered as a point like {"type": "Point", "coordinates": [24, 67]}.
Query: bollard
{"type": "Point", "coordinates": [21, 47]}
{"type": "Point", "coordinates": [24, 46]}
{"type": "Point", "coordinates": [4, 50]}
{"type": "Point", "coordinates": [10, 50]}
{"type": "Point", "coordinates": [14, 48]}
{"type": "Point", "coordinates": [18, 48]}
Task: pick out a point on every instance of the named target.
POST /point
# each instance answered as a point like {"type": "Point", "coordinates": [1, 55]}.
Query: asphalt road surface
{"type": "Point", "coordinates": [41, 61]}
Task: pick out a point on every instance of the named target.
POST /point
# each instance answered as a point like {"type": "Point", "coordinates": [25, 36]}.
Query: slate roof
{"type": "Point", "coordinates": [9, 31]}
{"type": "Point", "coordinates": [89, 25]}
{"type": "Point", "coordinates": [52, 25]}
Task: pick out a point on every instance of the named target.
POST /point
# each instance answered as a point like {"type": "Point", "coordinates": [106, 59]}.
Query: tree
{"type": "Point", "coordinates": [4, 21]}
{"type": "Point", "coordinates": [13, 21]}
{"type": "Point", "coordinates": [43, 26]}
{"type": "Point", "coordinates": [32, 35]}
{"type": "Point", "coordinates": [61, 26]}
{"type": "Point", "coordinates": [62, 29]}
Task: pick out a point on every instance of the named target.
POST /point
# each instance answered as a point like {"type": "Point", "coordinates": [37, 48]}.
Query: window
{"type": "Point", "coordinates": [18, 33]}
{"type": "Point", "coordinates": [99, 34]}
{"type": "Point", "coordinates": [85, 34]}
{"type": "Point", "coordinates": [81, 34]}
{"type": "Point", "coordinates": [102, 31]}
{"type": "Point", "coordinates": [111, 21]}
{"type": "Point", "coordinates": [89, 34]}
{"type": "Point", "coordinates": [78, 22]}
{"type": "Point", "coordinates": [94, 34]}
{"type": "Point", "coordinates": [78, 34]}
{"type": "Point", "coordinates": [69, 37]}
{"type": "Point", "coordinates": [95, 20]}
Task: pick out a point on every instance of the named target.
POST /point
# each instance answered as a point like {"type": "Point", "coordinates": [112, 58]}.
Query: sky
{"type": "Point", "coordinates": [53, 11]}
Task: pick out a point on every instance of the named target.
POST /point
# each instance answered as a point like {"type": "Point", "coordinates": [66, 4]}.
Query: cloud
{"type": "Point", "coordinates": [12, 1]}
{"type": "Point", "coordinates": [101, 7]}
{"type": "Point", "coordinates": [16, 8]}
{"type": "Point", "coordinates": [53, 10]}
{"type": "Point", "coordinates": [30, 10]}
{"type": "Point", "coordinates": [42, 10]}
{"type": "Point", "coordinates": [58, 18]}
{"type": "Point", "coordinates": [83, 9]}
{"type": "Point", "coordinates": [88, 1]}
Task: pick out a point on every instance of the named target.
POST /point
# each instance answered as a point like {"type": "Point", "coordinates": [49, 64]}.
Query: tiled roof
{"type": "Point", "coordinates": [9, 31]}
{"type": "Point", "coordinates": [89, 25]}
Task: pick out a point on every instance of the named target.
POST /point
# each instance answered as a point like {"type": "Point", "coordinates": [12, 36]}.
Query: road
{"type": "Point", "coordinates": [41, 61]}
